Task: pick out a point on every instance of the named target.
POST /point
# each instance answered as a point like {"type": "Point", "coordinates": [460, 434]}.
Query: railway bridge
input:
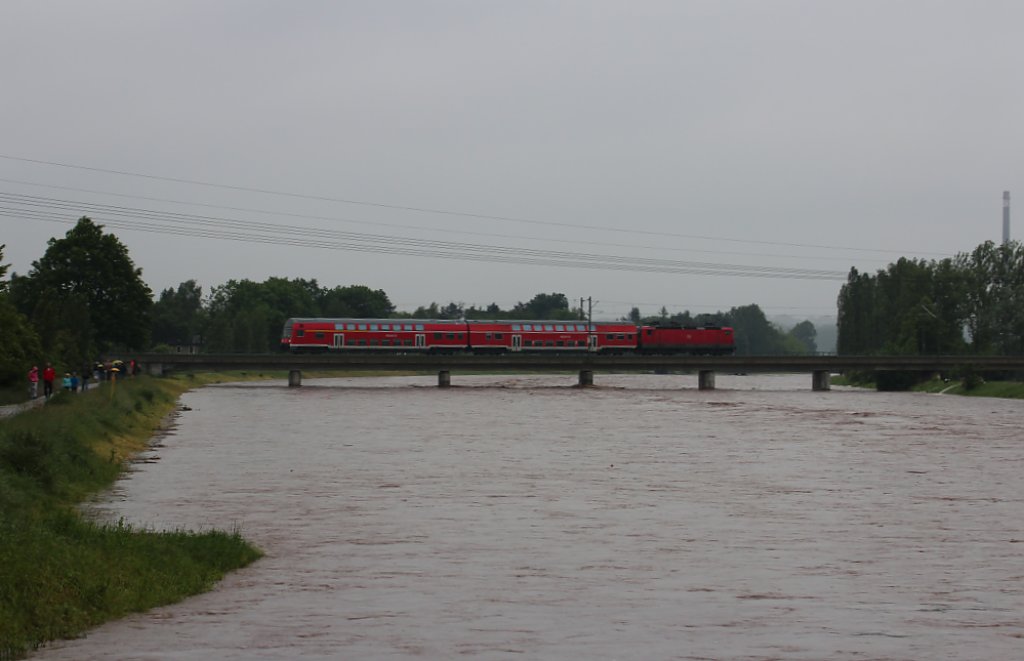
{"type": "Point", "coordinates": [819, 367]}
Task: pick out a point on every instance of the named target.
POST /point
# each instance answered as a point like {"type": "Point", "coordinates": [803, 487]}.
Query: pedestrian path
{"type": "Point", "coordinates": [11, 409]}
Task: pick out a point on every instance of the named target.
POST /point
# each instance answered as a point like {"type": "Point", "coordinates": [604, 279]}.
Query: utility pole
{"type": "Point", "coordinates": [590, 322]}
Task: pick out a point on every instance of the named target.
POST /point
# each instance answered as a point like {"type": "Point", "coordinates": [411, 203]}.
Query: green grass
{"type": "Point", "coordinates": [1000, 389]}
{"type": "Point", "coordinates": [61, 573]}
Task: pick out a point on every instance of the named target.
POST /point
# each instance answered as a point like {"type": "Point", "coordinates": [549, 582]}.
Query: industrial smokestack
{"type": "Point", "coordinates": [1006, 217]}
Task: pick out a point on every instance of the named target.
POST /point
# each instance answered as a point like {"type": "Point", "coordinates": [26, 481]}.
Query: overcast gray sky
{"type": "Point", "coordinates": [710, 154]}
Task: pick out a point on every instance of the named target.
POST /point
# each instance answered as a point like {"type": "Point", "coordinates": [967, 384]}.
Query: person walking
{"type": "Point", "coordinates": [49, 374]}
{"type": "Point", "coordinates": [33, 382]}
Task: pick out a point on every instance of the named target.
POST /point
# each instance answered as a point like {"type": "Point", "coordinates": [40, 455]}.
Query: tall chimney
{"type": "Point", "coordinates": [1006, 217]}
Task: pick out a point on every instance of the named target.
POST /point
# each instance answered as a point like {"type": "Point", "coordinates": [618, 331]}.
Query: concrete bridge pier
{"type": "Point", "coordinates": [444, 379]}
{"type": "Point", "coordinates": [706, 380]}
{"type": "Point", "coordinates": [294, 378]}
{"type": "Point", "coordinates": [586, 378]}
{"type": "Point", "coordinates": [155, 369]}
{"type": "Point", "coordinates": [820, 380]}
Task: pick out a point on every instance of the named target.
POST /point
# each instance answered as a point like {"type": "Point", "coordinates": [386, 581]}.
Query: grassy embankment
{"type": "Point", "coordinates": [1002, 389]}
{"type": "Point", "coordinates": [60, 573]}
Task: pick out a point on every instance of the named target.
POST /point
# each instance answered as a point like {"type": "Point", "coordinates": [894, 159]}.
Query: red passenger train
{"type": "Point", "coordinates": [451, 336]}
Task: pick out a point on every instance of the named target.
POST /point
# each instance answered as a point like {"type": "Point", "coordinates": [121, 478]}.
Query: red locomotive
{"type": "Point", "coordinates": [450, 336]}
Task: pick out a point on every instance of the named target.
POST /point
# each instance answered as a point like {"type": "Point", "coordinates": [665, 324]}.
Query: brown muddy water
{"type": "Point", "coordinates": [520, 517]}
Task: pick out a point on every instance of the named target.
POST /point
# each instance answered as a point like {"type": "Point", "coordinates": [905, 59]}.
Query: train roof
{"type": "Point", "coordinates": [369, 320]}
{"type": "Point", "coordinates": [548, 321]}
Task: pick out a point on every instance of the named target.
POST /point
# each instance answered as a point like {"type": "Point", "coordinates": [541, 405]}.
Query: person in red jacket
{"type": "Point", "coordinates": [49, 374]}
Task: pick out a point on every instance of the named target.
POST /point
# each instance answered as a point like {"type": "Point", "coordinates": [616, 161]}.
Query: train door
{"type": "Point", "coordinates": [421, 340]}
{"type": "Point", "coordinates": [592, 342]}
{"type": "Point", "coordinates": [339, 340]}
{"type": "Point", "coordinates": [517, 342]}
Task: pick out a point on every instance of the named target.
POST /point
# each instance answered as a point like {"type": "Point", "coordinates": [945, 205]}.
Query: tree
{"type": "Point", "coordinates": [356, 301]}
{"type": "Point", "coordinates": [544, 306]}
{"type": "Point", "coordinates": [178, 315]}
{"type": "Point", "coordinates": [88, 275]}
{"type": "Point", "coordinates": [805, 333]}
{"type": "Point", "coordinates": [755, 335]}
{"type": "Point", "coordinates": [19, 343]}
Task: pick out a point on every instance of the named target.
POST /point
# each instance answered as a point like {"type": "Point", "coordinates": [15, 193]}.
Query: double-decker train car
{"type": "Point", "coordinates": [673, 338]}
{"type": "Point", "coordinates": [551, 336]}
{"type": "Point", "coordinates": [451, 336]}
{"type": "Point", "coordinates": [315, 334]}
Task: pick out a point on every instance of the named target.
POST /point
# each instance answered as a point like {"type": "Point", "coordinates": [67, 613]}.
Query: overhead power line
{"type": "Point", "coordinates": [376, 223]}
{"type": "Point", "coordinates": [446, 212]}
{"type": "Point", "coordinates": [213, 227]}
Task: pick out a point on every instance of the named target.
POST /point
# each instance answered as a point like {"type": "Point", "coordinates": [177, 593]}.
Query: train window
{"type": "Point", "coordinates": [407, 343]}
{"type": "Point", "coordinates": [527, 327]}
{"type": "Point", "coordinates": [373, 343]}
{"type": "Point", "coordinates": [549, 327]}
{"type": "Point", "coordinates": [362, 343]}
{"type": "Point", "coordinates": [620, 337]}
{"type": "Point", "coordinates": [362, 326]}
{"type": "Point", "coordinates": [460, 336]}
{"type": "Point", "coordinates": [451, 336]}
{"type": "Point", "coordinates": [339, 326]}
{"type": "Point", "coordinates": [560, 343]}
{"type": "Point", "coordinates": [580, 343]}
{"type": "Point", "coordinates": [515, 327]}
{"type": "Point", "coordinates": [419, 327]}
{"type": "Point", "coordinates": [629, 336]}
{"type": "Point", "coordinates": [385, 343]}
{"type": "Point", "coordinates": [319, 336]}
{"type": "Point", "coordinates": [350, 326]}
{"type": "Point", "coordinates": [438, 336]}
{"type": "Point", "coordinates": [499, 336]}
{"type": "Point", "coordinates": [487, 336]}
{"type": "Point", "coordinates": [373, 326]}
{"type": "Point", "coordinates": [559, 327]}
{"type": "Point", "coordinates": [300, 333]}
{"type": "Point", "coordinates": [549, 343]}
{"type": "Point", "coordinates": [408, 327]}
{"type": "Point", "coordinates": [385, 327]}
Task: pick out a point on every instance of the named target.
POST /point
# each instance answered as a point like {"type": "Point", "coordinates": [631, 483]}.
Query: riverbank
{"type": "Point", "coordinates": [60, 573]}
{"type": "Point", "coordinates": [1000, 389]}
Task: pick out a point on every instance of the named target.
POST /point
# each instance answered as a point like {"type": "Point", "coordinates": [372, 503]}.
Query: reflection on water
{"type": "Point", "coordinates": [520, 517]}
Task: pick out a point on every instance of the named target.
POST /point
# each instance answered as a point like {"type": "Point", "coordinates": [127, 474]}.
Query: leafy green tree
{"type": "Point", "coordinates": [19, 343]}
{"type": "Point", "coordinates": [544, 306]}
{"type": "Point", "coordinates": [92, 296]}
{"type": "Point", "coordinates": [754, 334]}
{"type": "Point", "coordinates": [356, 301]}
{"type": "Point", "coordinates": [178, 315]}
{"type": "Point", "coordinates": [804, 334]}
{"type": "Point", "coordinates": [994, 293]}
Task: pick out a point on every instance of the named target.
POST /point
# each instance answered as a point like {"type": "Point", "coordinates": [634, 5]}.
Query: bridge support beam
{"type": "Point", "coordinates": [820, 380]}
{"type": "Point", "coordinates": [586, 378]}
{"type": "Point", "coordinates": [706, 380]}
{"type": "Point", "coordinates": [444, 379]}
{"type": "Point", "coordinates": [294, 378]}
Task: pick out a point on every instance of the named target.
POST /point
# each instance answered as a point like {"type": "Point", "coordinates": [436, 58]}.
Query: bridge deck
{"type": "Point", "coordinates": [562, 362]}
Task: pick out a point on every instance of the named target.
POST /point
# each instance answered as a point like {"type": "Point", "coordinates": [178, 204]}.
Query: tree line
{"type": "Point", "coordinates": [85, 297]}
{"type": "Point", "coordinates": [972, 303]}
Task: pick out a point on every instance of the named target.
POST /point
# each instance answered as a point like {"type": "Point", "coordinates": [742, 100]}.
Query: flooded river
{"type": "Point", "coordinates": [522, 518]}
